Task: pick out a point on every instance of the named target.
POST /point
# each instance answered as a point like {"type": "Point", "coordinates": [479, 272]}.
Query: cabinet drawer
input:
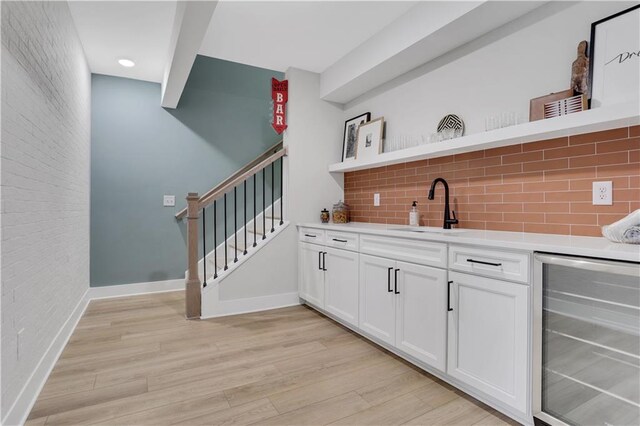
{"type": "Point", "coordinates": [414, 251]}
{"type": "Point", "coordinates": [490, 263]}
{"type": "Point", "coordinates": [312, 235]}
{"type": "Point", "coordinates": [343, 240]}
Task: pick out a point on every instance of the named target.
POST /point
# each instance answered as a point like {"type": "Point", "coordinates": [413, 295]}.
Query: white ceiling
{"type": "Point", "coordinates": [136, 30]}
{"type": "Point", "coordinates": [310, 35]}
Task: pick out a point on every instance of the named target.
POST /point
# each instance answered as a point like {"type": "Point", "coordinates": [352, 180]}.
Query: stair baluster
{"type": "Point", "coordinates": [244, 193]}
{"type": "Point", "coordinates": [235, 224]}
{"type": "Point", "coordinates": [226, 243]}
{"type": "Point", "coordinates": [273, 194]}
{"type": "Point", "coordinates": [215, 241]}
{"type": "Point", "coordinates": [264, 206]}
{"type": "Point", "coordinates": [255, 229]}
{"type": "Point", "coordinates": [281, 191]}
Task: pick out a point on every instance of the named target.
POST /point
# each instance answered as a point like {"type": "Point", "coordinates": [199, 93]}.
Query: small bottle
{"type": "Point", "coordinates": [414, 216]}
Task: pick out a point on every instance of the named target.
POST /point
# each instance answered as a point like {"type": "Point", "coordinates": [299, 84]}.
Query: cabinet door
{"type": "Point", "coordinates": [488, 337]}
{"type": "Point", "coordinates": [421, 318]}
{"type": "Point", "coordinates": [341, 284]}
{"type": "Point", "coordinates": [377, 299]}
{"type": "Point", "coordinates": [311, 285]}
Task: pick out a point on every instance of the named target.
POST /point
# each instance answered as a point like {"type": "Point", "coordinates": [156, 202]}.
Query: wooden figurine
{"type": "Point", "coordinates": [580, 71]}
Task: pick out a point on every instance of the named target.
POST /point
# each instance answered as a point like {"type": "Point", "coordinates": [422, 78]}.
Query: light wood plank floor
{"type": "Point", "coordinates": [136, 360]}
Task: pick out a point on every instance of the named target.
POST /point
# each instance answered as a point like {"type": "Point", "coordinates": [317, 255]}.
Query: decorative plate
{"type": "Point", "coordinates": [451, 121]}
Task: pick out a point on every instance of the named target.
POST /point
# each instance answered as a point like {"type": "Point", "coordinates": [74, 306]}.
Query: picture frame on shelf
{"type": "Point", "coordinates": [370, 137]}
{"type": "Point", "coordinates": [350, 136]}
{"type": "Point", "coordinates": [615, 59]}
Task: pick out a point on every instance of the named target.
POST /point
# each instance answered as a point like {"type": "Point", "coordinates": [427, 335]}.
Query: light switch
{"type": "Point", "coordinates": [376, 200]}
{"type": "Point", "coordinates": [602, 193]}
{"type": "Point", "coordinates": [169, 201]}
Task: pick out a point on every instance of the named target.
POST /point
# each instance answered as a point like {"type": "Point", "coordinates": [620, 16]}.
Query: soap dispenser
{"type": "Point", "coordinates": [414, 216]}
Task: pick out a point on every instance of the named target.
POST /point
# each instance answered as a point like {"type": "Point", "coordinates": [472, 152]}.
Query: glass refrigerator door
{"type": "Point", "coordinates": [591, 342]}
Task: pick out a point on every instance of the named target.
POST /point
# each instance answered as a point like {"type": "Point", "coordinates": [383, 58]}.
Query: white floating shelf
{"type": "Point", "coordinates": [593, 120]}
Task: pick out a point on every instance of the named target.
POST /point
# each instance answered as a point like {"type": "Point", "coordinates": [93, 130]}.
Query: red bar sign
{"type": "Point", "coordinates": [280, 95]}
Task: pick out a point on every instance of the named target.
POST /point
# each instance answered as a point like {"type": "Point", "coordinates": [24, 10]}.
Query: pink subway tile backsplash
{"type": "Point", "coordinates": [542, 186]}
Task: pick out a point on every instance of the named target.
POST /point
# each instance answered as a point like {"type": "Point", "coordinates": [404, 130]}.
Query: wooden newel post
{"type": "Point", "coordinates": [192, 296]}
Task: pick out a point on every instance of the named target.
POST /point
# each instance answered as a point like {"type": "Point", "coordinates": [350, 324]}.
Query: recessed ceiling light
{"type": "Point", "coordinates": [126, 62]}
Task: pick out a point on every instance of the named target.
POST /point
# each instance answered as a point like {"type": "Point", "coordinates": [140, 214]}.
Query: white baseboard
{"type": "Point", "coordinates": [122, 290]}
{"type": "Point", "coordinates": [21, 408]}
{"type": "Point", "coordinates": [255, 304]}
{"type": "Point", "coordinates": [17, 414]}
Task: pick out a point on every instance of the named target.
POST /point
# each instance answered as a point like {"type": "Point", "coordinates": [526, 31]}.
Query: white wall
{"type": "Point", "coordinates": [496, 73]}
{"type": "Point", "coordinates": [314, 139]}
{"type": "Point", "coordinates": [267, 272]}
{"type": "Point", "coordinates": [45, 184]}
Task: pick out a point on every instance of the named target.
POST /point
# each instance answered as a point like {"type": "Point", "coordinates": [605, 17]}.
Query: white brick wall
{"type": "Point", "coordinates": [44, 176]}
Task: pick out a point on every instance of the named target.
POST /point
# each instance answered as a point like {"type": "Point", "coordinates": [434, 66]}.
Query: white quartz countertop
{"type": "Point", "coordinates": [562, 244]}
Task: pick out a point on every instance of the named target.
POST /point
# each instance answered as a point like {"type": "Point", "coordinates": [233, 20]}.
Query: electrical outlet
{"type": "Point", "coordinates": [169, 201]}
{"type": "Point", "coordinates": [602, 193]}
{"type": "Point", "coordinates": [376, 200]}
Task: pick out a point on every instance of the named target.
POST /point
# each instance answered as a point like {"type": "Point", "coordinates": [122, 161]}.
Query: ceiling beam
{"type": "Point", "coordinates": [425, 32]}
{"type": "Point", "coordinates": [189, 28]}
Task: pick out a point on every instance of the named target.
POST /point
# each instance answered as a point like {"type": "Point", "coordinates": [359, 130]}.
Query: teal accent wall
{"type": "Point", "coordinates": [141, 151]}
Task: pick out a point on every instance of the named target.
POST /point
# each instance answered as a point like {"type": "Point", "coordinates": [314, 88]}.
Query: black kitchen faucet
{"type": "Point", "coordinates": [447, 215]}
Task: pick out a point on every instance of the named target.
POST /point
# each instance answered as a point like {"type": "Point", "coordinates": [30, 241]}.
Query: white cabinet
{"type": "Point", "coordinates": [488, 337]}
{"type": "Point", "coordinates": [404, 305]}
{"type": "Point", "coordinates": [421, 313]}
{"type": "Point", "coordinates": [311, 274]}
{"type": "Point", "coordinates": [471, 321]}
{"type": "Point", "coordinates": [377, 298]}
{"type": "Point", "coordinates": [328, 279]}
{"type": "Point", "coordinates": [341, 284]}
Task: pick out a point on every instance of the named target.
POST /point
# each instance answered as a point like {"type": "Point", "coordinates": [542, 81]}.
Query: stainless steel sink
{"type": "Point", "coordinates": [428, 230]}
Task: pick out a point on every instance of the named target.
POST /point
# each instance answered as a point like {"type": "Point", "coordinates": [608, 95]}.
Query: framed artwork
{"type": "Point", "coordinates": [615, 59]}
{"type": "Point", "coordinates": [350, 137]}
{"type": "Point", "coordinates": [370, 139]}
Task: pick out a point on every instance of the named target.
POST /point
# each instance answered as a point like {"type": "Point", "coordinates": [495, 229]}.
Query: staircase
{"type": "Point", "coordinates": [235, 219]}
{"type": "Point", "coordinates": [220, 263]}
